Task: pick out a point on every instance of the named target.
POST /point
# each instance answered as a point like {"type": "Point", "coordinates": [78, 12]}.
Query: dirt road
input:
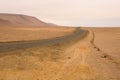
{"type": "Point", "coordinates": [81, 60]}
{"type": "Point", "coordinates": [10, 46]}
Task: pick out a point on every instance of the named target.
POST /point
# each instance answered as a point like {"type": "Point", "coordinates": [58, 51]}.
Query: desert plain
{"type": "Point", "coordinates": [59, 53]}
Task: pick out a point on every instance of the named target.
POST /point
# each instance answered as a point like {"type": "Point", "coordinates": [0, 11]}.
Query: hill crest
{"type": "Point", "coordinates": [20, 20]}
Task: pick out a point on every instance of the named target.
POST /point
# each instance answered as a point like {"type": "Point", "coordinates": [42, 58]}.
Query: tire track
{"type": "Point", "coordinates": [80, 51]}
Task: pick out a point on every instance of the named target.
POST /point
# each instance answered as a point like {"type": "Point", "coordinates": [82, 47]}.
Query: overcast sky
{"type": "Point", "coordinates": [67, 12]}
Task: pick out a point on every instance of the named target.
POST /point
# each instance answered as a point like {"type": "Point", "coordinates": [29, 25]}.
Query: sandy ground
{"type": "Point", "coordinates": [108, 41]}
{"type": "Point", "coordinates": [32, 33]}
{"type": "Point", "coordinates": [78, 59]}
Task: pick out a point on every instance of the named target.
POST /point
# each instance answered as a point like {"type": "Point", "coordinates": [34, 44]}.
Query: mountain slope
{"type": "Point", "coordinates": [20, 20]}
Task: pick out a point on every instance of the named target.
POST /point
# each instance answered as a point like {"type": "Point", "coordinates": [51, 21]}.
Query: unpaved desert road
{"type": "Point", "coordinates": [85, 62]}
{"type": "Point", "coordinates": [10, 46]}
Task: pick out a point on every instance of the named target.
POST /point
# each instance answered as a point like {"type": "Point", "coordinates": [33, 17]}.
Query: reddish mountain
{"type": "Point", "coordinates": [20, 20]}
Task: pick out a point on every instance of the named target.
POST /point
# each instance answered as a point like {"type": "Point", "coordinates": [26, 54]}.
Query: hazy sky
{"type": "Point", "coordinates": [67, 12]}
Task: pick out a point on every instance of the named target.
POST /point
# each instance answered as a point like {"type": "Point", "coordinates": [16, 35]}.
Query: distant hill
{"type": "Point", "coordinates": [21, 20]}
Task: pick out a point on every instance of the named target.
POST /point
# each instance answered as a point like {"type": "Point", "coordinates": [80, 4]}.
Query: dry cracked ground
{"type": "Point", "coordinates": [80, 58]}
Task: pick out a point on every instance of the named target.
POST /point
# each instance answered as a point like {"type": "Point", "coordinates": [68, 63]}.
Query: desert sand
{"type": "Point", "coordinates": [34, 50]}
{"type": "Point", "coordinates": [32, 33]}
{"type": "Point", "coordinates": [77, 55]}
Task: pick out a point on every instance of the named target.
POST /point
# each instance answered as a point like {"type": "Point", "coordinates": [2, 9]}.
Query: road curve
{"type": "Point", "coordinates": [10, 46]}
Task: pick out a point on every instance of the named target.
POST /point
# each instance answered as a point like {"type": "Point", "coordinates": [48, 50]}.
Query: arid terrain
{"type": "Point", "coordinates": [59, 53]}
{"type": "Point", "coordinates": [32, 33]}
{"type": "Point", "coordinates": [92, 55]}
